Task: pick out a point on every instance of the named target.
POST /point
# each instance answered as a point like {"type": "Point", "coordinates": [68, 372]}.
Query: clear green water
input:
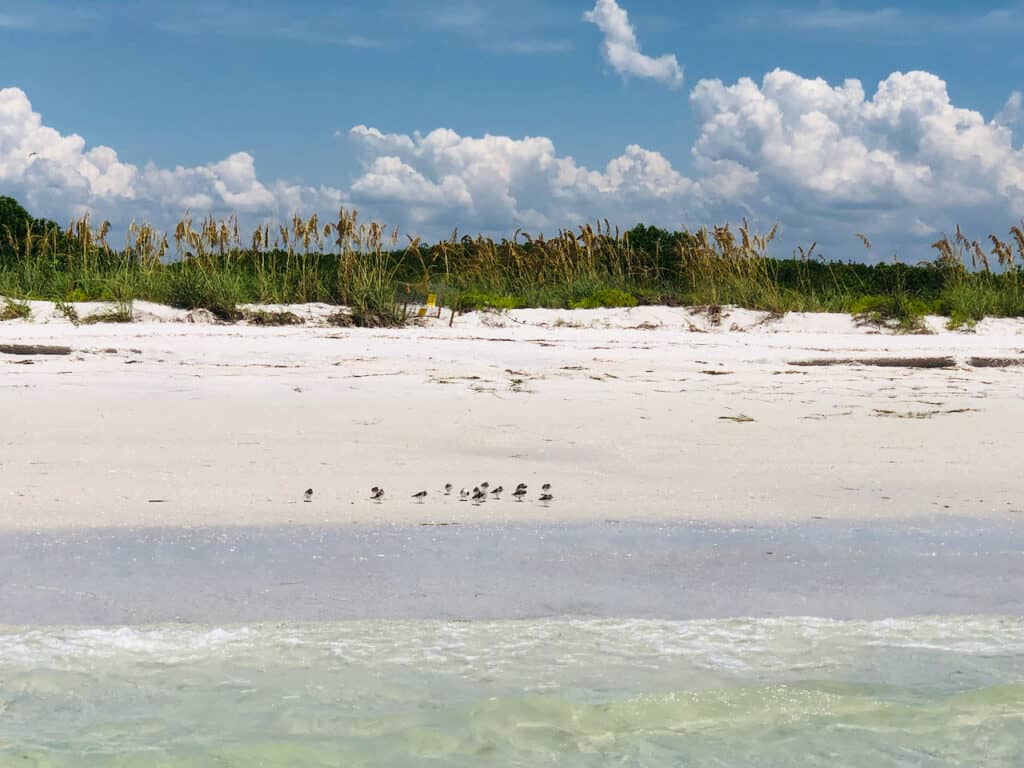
{"type": "Point", "coordinates": [781, 692]}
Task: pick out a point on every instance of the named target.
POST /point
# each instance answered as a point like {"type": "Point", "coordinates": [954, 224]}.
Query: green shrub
{"type": "Point", "coordinates": [120, 312]}
{"type": "Point", "coordinates": [14, 310]}
{"type": "Point", "coordinates": [263, 317]}
{"type": "Point", "coordinates": [190, 288]}
{"type": "Point", "coordinates": [897, 312]}
{"type": "Point", "coordinates": [471, 301]}
{"type": "Point", "coordinates": [68, 311]}
{"type": "Point", "coordinates": [958, 321]}
{"type": "Point", "coordinates": [606, 297]}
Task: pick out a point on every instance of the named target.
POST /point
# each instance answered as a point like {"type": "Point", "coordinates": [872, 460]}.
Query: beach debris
{"type": "Point", "coordinates": [420, 496]}
{"type": "Point", "coordinates": [34, 349]}
{"type": "Point", "coordinates": [920, 414]}
{"type": "Point", "coordinates": [713, 312]}
{"type": "Point", "coordinates": [376, 494]}
{"type": "Point", "coordinates": [201, 315]}
{"type": "Point", "coordinates": [741, 419]}
{"type": "Point", "coordinates": [994, 362]}
{"type": "Point", "coordinates": [308, 495]}
{"type": "Point", "coordinates": [880, 362]}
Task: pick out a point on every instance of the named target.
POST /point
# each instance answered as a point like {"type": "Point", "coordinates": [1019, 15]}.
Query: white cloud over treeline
{"type": "Point", "coordinates": [59, 175]}
{"type": "Point", "coordinates": [901, 163]}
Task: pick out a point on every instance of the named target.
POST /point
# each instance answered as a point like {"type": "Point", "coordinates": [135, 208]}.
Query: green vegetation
{"type": "Point", "coordinates": [367, 269]}
{"type": "Point", "coordinates": [606, 297]}
{"type": "Point", "coordinates": [263, 317]}
{"type": "Point", "coordinates": [14, 310]}
{"type": "Point", "coordinates": [119, 312]}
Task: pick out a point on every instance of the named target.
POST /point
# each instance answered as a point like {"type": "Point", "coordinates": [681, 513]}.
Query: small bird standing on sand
{"type": "Point", "coordinates": [484, 486]}
{"type": "Point", "coordinates": [447, 489]}
{"type": "Point", "coordinates": [420, 496]}
{"type": "Point", "coordinates": [546, 487]}
{"type": "Point", "coordinates": [520, 492]}
{"type": "Point", "coordinates": [546, 498]}
{"type": "Point", "coordinates": [376, 493]}
{"type": "Point", "coordinates": [463, 495]}
{"type": "Point", "coordinates": [496, 493]}
{"type": "Point", "coordinates": [308, 496]}
{"type": "Point", "coordinates": [479, 496]}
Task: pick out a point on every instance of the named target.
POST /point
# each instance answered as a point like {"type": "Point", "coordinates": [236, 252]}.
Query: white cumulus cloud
{"type": "Point", "coordinates": [1012, 113]}
{"type": "Point", "coordinates": [814, 152]}
{"type": "Point", "coordinates": [900, 163]}
{"type": "Point", "coordinates": [59, 176]}
{"type": "Point", "coordinates": [496, 183]}
{"type": "Point", "coordinates": [622, 50]}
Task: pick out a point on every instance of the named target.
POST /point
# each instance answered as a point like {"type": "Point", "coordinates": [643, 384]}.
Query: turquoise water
{"type": "Point", "coordinates": [765, 692]}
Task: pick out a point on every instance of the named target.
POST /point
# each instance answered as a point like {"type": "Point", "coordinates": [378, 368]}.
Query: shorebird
{"type": "Point", "coordinates": [546, 498]}
{"type": "Point", "coordinates": [484, 486]}
{"type": "Point", "coordinates": [496, 493]}
{"type": "Point", "coordinates": [308, 496]}
{"type": "Point", "coordinates": [546, 487]}
{"type": "Point", "coordinates": [479, 495]}
{"type": "Point", "coordinates": [520, 492]}
{"type": "Point", "coordinates": [447, 489]}
{"type": "Point", "coordinates": [463, 494]}
{"type": "Point", "coordinates": [420, 496]}
{"type": "Point", "coordinates": [376, 493]}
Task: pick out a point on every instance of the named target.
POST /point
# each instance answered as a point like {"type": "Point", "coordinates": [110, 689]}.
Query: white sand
{"type": "Point", "coordinates": [230, 424]}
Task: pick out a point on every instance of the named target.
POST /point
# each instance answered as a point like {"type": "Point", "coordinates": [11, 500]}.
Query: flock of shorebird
{"type": "Point", "coordinates": [478, 495]}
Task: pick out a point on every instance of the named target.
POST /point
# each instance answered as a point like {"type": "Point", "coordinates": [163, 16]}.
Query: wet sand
{"type": "Point", "coordinates": [831, 569]}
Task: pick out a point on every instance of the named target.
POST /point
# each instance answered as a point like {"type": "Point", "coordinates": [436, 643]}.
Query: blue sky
{"type": "Point", "coordinates": [191, 85]}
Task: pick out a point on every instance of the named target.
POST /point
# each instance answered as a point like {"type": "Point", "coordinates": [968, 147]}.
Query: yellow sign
{"type": "Point", "coordinates": [431, 300]}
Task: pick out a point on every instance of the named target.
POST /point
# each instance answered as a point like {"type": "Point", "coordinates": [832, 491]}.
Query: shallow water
{"type": "Point", "coordinates": [715, 692]}
{"type": "Point", "coordinates": [836, 569]}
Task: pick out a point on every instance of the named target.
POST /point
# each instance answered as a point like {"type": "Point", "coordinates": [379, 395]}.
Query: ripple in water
{"type": "Point", "coordinates": [766, 692]}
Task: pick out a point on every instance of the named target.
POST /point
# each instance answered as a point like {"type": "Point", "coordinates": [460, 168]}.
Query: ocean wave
{"type": "Point", "coordinates": [717, 643]}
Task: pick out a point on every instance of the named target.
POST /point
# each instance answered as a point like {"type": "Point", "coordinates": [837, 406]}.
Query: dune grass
{"type": "Point", "coordinates": [374, 271]}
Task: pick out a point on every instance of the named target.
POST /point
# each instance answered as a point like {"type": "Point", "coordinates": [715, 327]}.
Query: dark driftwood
{"type": "Point", "coordinates": [883, 362]}
{"type": "Point", "coordinates": [33, 349]}
{"type": "Point", "coordinates": [995, 362]}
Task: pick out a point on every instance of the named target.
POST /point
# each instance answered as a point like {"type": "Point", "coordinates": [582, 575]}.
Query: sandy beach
{"type": "Point", "coordinates": [756, 521]}
{"type": "Point", "coordinates": [653, 413]}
